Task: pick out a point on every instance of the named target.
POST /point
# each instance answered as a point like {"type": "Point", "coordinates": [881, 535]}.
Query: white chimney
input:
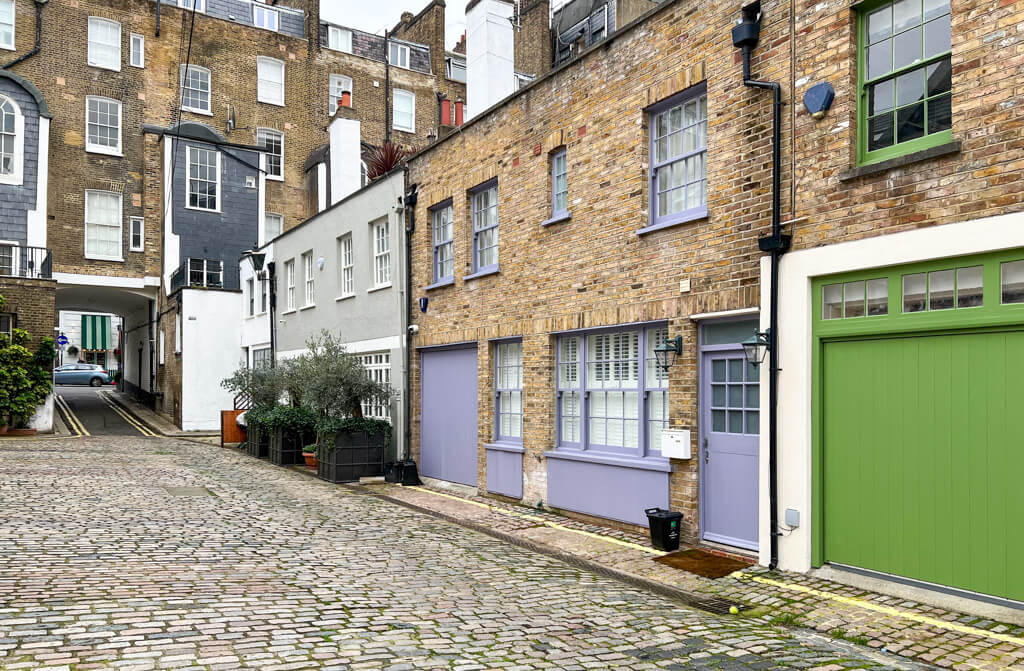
{"type": "Point", "coordinates": [346, 157]}
{"type": "Point", "coordinates": [490, 68]}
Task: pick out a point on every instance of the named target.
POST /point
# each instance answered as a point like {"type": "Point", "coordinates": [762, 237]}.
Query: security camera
{"type": "Point", "coordinates": [414, 329]}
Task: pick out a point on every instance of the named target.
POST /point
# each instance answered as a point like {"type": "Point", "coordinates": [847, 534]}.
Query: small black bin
{"type": "Point", "coordinates": [664, 528]}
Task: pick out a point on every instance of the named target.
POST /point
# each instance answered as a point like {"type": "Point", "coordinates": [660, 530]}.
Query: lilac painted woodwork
{"type": "Point", "coordinates": [729, 448]}
{"type": "Point", "coordinates": [615, 492]}
{"type": "Point", "coordinates": [448, 424]}
{"type": "Point", "coordinates": [505, 470]}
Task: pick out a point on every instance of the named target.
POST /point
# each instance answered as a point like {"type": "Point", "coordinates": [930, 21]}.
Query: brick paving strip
{"type": "Point", "coordinates": [916, 631]}
{"type": "Point", "coordinates": [138, 553]}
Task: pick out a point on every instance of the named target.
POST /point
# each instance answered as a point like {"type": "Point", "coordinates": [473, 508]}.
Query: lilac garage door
{"type": "Point", "coordinates": [448, 424]}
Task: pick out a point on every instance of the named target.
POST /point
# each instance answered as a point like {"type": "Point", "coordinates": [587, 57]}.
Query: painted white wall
{"type": "Point", "coordinates": [796, 272]}
{"type": "Point", "coordinates": [490, 70]}
{"type": "Point", "coordinates": [42, 420]}
{"type": "Point", "coordinates": [321, 187]}
{"type": "Point", "coordinates": [209, 354]}
{"type": "Point", "coordinates": [36, 219]}
{"type": "Point", "coordinates": [136, 333]}
{"type": "Point", "coordinates": [254, 332]}
{"type": "Point", "coordinates": [172, 245]}
{"type": "Point", "coordinates": [346, 155]}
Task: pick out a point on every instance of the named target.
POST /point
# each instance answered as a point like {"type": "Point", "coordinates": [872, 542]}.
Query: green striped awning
{"type": "Point", "coordinates": [95, 332]}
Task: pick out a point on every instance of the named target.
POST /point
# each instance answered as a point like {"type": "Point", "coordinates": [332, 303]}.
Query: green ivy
{"type": "Point", "coordinates": [272, 417]}
{"type": "Point", "coordinates": [327, 428]}
{"type": "Point", "coordinates": [25, 378]}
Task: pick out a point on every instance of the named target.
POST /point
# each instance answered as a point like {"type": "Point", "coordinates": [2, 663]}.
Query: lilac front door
{"type": "Point", "coordinates": [729, 447]}
{"type": "Point", "coordinates": [448, 423]}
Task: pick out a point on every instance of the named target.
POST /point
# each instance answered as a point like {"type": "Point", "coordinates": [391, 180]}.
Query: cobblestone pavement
{"type": "Point", "coordinates": [137, 553]}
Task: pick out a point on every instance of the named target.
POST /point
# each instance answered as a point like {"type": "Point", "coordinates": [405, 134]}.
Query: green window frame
{"type": "Point", "coordinates": [904, 77]}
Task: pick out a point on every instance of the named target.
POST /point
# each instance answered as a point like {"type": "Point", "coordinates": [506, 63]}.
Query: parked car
{"type": "Point", "coordinates": [81, 373]}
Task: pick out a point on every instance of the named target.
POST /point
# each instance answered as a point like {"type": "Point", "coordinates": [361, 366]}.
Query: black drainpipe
{"type": "Point", "coordinates": [411, 196]}
{"type": "Point", "coordinates": [387, 89]}
{"type": "Point", "coordinates": [745, 37]}
{"type": "Point", "coordinates": [158, 3]}
{"type": "Point", "coordinates": [39, 36]}
{"type": "Point", "coordinates": [272, 288]}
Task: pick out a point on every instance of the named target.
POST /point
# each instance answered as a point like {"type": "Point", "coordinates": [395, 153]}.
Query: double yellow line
{"type": "Point", "coordinates": [74, 423]}
{"type": "Point", "coordinates": [142, 428]}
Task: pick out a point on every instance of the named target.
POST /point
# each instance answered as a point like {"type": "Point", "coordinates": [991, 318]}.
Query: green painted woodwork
{"type": "Point", "coordinates": [924, 458]}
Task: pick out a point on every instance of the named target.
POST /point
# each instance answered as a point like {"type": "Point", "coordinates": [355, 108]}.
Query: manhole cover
{"type": "Point", "coordinates": [187, 491]}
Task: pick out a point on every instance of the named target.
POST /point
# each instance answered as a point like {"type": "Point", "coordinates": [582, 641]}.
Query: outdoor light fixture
{"type": "Point", "coordinates": [256, 258]}
{"type": "Point", "coordinates": [756, 347]}
{"type": "Point", "coordinates": [665, 353]}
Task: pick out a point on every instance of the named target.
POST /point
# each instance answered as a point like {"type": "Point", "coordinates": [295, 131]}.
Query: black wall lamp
{"type": "Point", "coordinates": [665, 353]}
{"type": "Point", "coordinates": [757, 346]}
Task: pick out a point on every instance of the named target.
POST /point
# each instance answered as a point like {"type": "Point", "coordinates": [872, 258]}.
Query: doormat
{"type": "Point", "coordinates": [702, 563]}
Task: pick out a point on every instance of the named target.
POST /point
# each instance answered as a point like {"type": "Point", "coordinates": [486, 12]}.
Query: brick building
{"type": "Point", "coordinates": [580, 225]}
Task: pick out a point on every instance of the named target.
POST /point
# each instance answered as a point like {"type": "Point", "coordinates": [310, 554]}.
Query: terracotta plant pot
{"type": "Point", "coordinates": [3, 429]}
{"type": "Point", "coordinates": [310, 458]}
{"type": "Point", "coordinates": [21, 432]}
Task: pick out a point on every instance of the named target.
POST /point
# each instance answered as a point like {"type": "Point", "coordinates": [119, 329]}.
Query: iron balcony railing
{"type": "Point", "coordinates": [28, 262]}
{"type": "Point", "coordinates": [204, 273]}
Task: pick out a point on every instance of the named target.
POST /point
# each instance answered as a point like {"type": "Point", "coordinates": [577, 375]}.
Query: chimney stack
{"type": "Point", "coordinates": [490, 67]}
{"type": "Point", "coordinates": [346, 154]}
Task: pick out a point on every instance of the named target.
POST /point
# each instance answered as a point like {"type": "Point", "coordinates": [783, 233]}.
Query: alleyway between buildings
{"type": "Point", "coordinates": [155, 553]}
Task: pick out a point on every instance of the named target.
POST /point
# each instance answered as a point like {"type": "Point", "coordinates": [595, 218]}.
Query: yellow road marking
{"type": "Point", "coordinates": [541, 520]}
{"type": "Point", "coordinates": [141, 428]}
{"type": "Point", "coordinates": [887, 610]}
{"type": "Point", "coordinates": [76, 423]}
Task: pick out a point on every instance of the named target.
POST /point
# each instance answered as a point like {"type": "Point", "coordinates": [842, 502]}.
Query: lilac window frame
{"type": "Point", "coordinates": [473, 193]}
{"type": "Point", "coordinates": [643, 449]}
{"type": "Point", "coordinates": [498, 390]}
{"type": "Point", "coordinates": [559, 154]}
{"type": "Point", "coordinates": [662, 221]}
{"type": "Point", "coordinates": [435, 212]}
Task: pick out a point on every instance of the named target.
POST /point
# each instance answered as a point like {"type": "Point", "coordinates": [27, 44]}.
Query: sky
{"type": "Point", "coordinates": [374, 16]}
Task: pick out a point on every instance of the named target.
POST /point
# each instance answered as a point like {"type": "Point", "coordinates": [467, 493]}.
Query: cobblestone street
{"type": "Point", "coordinates": [145, 553]}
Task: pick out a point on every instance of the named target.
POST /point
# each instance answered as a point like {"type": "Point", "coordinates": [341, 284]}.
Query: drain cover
{"type": "Point", "coordinates": [187, 491]}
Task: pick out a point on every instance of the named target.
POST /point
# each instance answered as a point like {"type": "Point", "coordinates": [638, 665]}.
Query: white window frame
{"type": "Point", "coordinates": [177, 333]}
{"type": "Point", "coordinates": [120, 226]}
{"type": "Point", "coordinates": [161, 353]}
{"type": "Point", "coordinates": [250, 297]}
{"type": "Point", "coordinates": [267, 12]}
{"type": "Point", "coordinates": [208, 110]}
{"type": "Point", "coordinates": [262, 83]}
{"type": "Point", "coordinates": [91, 57]}
{"type": "Point", "coordinates": [200, 5]}
{"type": "Point", "coordinates": [261, 134]}
{"type": "Point", "coordinates": [339, 39]}
{"type": "Point", "coordinates": [451, 64]}
{"type": "Point", "coordinates": [17, 176]}
{"type": "Point", "coordinates": [267, 216]}
{"type": "Point", "coordinates": [403, 53]}
{"type": "Point", "coordinates": [409, 95]}
{"type": "Point", "coordinates": [309, 292]}
{"type": "Point", "coordinates": [336, 87]}
{"type": "Point", "coordinates": [263, 292]}
{"type": "Point", "coordinates": [9, 4]}
{"type": "Point", "coordinates": [381, 234]}
{"type": "Point", "coordinates": [137, 54]}
{"type": "Point", "coordinates": [289, 278]}
{"type": "Point", "coordinates": [132, 247]}
{"type": "Point", "coordinates": [346, 267]}
{"type": "Point", "coordinates": [378, 369]}
{"type": "Point", "coordinates": [189, 150]}
{"type": "Point", "coordinates": [99, 148]}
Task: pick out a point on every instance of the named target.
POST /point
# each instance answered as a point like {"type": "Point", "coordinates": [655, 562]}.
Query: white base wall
{"type": "Point", "coordinates": [209, 353]}
{"type": "Point", "coordinates": [42, 420]}
{"type": "Point", "coordinates": [796, 271]}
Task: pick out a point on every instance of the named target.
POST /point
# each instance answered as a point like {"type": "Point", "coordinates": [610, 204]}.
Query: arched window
{"type": "Point", "coordinates": [12, 141]}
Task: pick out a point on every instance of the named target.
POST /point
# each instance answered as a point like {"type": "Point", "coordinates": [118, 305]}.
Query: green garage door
{"type": "Point", "coordinates": [923, 458]}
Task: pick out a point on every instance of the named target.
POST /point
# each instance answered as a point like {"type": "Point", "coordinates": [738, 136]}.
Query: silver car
{"type": "Point", "coordinates": [81, 373]}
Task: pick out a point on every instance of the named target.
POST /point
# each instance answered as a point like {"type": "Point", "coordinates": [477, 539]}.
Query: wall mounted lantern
{"type": "Point", "coordinates": [665, 353]}
{"type": "Point", "coordinates": [256, 258]}
{"type": "Point", "coordinates": [756, 347]}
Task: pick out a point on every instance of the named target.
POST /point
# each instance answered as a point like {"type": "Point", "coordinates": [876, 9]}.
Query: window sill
{"type": "Point", "coordinates": [440, 283]}
{"type": "Point", "coordinates": [115, 259]}
{"type": "Point", "coordinates": [557, 219]}
{"type": "Point", "coordinates": [289, 312]}
{"type": "Point", "coordinates": [481, 273]}
{"type": "Point", "coordinates": [308, 307]}
{"type": "Point", "coordinates": [136, 250]}
{"type": "Point", "coordinates": [378, 288]}
{"type": "Point", "coordinates": [344, 297]}
{"type": "Point", "coordinates": [502, 446]}
{"type": "Point", "coordinates": [270, 102]}
{"type": "Point", "coordinates": [625, 461]}
{"type": "Point", "coordinates": [112, 68]}
{"type": "Point", "coordinates": [201, 209]}
{"type": "Point", "coordinates": [103, 151]}
{"type": "Point", "coordinates": [684, 218]}
{"type": "Point", "coordinates": [192, 110]}
{"type": "Point", "coordinates": [411, 131]}
{"type": "Point", "coordinates": [275, 178]}
{"type": "Point", "coordinates": [900, 161]}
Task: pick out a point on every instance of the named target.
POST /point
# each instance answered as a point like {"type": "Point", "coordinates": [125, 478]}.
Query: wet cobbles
{"type": "Point", "coordinates": [134, 553]}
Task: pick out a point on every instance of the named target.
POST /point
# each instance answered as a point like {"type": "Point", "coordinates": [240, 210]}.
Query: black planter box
{"type": "Point", "coordinates": [286, 446]}
{"type": "Point", "coordinates": [355, 455]}
{"type": "Point", "coordinates": [257, 444]}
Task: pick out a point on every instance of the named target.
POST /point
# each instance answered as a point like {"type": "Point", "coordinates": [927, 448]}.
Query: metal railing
{"type": "Point", "coordinates": [27, 262]}
{"type": "Point", "coordinates": [204, 273]}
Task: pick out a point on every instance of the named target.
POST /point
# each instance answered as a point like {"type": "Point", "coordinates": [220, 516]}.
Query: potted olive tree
{"type": "Point", "coordinates": [332, 384]}
{"type": "Point", "coordinates": [265, 387]}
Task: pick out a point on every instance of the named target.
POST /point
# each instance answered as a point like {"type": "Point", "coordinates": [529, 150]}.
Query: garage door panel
{"type": "Point", "coordinates": [923, 466]}
{"type": "Point", "coordinates": [448, 425]}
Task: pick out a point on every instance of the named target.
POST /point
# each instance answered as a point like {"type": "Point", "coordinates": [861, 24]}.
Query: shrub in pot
{"type": "Point", "coordinates": [353, 448]}
{"type": "Point", "coordinates": [291, 428]}
{"type": "Point", "coordinates": [264, 387]}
